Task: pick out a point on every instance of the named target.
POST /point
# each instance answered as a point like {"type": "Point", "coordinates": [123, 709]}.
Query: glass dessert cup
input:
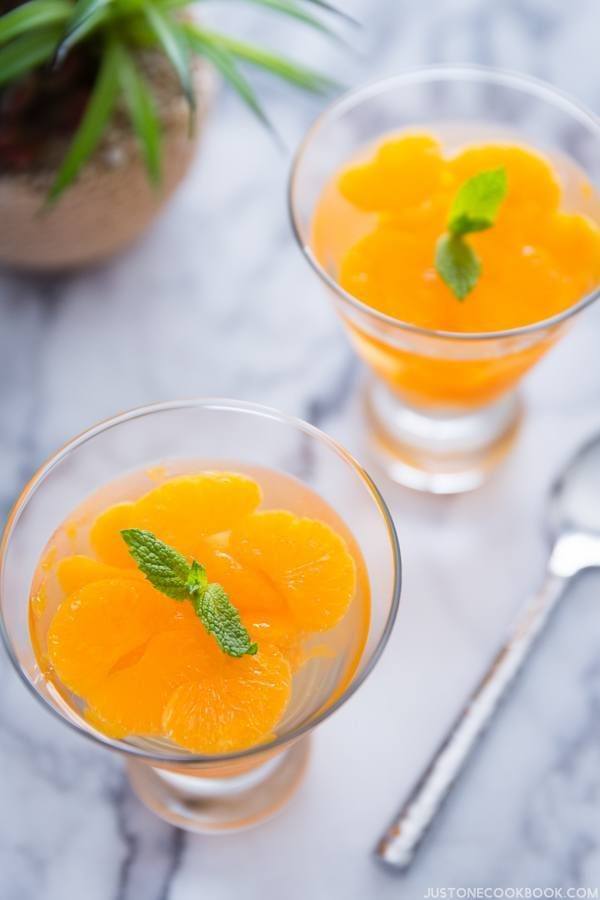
{"type": "Point", "coordinates": [201, 793]}
{"type": "Point", "coordinates": [442, 407]}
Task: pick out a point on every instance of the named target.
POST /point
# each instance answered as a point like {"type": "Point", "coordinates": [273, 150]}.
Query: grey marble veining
{"type": "Point", "coordinates": [217, 301]}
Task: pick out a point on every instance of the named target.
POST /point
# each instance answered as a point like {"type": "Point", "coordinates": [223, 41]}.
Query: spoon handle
{"type": "Point", "coordinates": [399, 844]}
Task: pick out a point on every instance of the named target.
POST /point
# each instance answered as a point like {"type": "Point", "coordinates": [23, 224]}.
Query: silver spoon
{"type": "Point", "coordinates": [574, 517]}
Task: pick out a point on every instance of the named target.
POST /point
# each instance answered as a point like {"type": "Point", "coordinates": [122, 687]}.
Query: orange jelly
{"type": "Point", "coordinates": [376, 228]}
{"type": "Point", "coordinates": [140, 665]}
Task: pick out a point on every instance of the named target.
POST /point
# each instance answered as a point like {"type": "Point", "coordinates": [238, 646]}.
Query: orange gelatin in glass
{"type": "Point", "coordinates": [375, 231]}
{"type": "Point", "coordinates": [141, 666]}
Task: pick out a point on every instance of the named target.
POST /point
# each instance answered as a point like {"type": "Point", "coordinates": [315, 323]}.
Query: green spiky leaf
{"type": "Point", "coordinates": [171, 38]}
{"type": "Point", "coordinates": [276, 65]}
{"type": "Point", "coordinates": [142, 112]}
{"type": "Point", "coordinates": [295, 11]}
{"type": "Point", "coordinates": [25, 53]}
{"type": "Point", "coordinates": [224, 61]}
{"type": "Point", "coordinates": [35, 14]}
{"type": "Point", "coordinates": [43, 30]}
{"type": "Point", "coordinates": [336, 11]}
{"type": "Point", "coordinates": [87, 15]}
{"type": "Point", "coordinates": [91, 128]}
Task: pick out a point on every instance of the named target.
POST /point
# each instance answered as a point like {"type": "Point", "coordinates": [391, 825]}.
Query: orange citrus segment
{"type": "Point", "coordinates": [131, 700]}
{"type": "Point", "coordinates": [179, 512]}
{"type": "Point", "coordinates": [74, 572]}
{"type": "Point", "coordinates": [533, 188]}
{"type": "Point", "coordinates": [279, 630]}
{"type": "Point", "coordinates": [237, 704]}
{"type": "Point", "coordinates": [368, 185]}
{"type": "Point", "coordinates": [106, 539]}
{"type": "Point", "coordinates": [100, 624]}
{"type": "Point", "coordinates": [248, 589]}
{"type": "Point", "coordinates": [262, 606]}
{"type": "Point", "coordinates": [305, 559]}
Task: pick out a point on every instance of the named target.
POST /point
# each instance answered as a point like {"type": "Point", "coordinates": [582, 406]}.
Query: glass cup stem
{"type": "Point", "coordinates": [230, 800]}
{"type": "Point", "coordinates": [440, 451]}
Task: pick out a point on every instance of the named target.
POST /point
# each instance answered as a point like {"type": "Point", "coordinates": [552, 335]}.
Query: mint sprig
{"type": "Point", "coordinates": [170, 573]}
{"type": "Point", "coordinates": [475, 208]}
{"type": "Point", "coordinates": [166, 569]}
{"type": "Point", "coordinates": [458, 265]}
{"type": "Point", "coordinates": [221, 619]}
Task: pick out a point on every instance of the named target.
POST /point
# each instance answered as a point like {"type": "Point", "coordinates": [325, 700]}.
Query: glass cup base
{"type": "Point", "coordinates": [212, 805]}
{"type": "Point", "coordinates": [437, 451]}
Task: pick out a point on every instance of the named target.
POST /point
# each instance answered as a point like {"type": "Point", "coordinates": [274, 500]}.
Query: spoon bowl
{"type": "Point", "coordinates": [574, 513]}
{"type": "Point", "coordinates": [575, 497]}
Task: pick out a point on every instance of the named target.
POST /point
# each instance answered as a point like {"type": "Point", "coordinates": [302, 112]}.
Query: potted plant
{"type": "Point", "coordinates": [101, 106]}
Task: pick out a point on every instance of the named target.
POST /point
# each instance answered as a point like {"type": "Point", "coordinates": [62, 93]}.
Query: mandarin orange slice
{"type": "Point", "coordinates": [237, 703]}
{"type": "Point", "coordinates": [533, 190]}
{"type": "Point", "coordinates": [131, 700]}
{"type": "Point", "coordinates": [74, 572]}
{"type": "Point", "coordinates": [100, 624]}
{"type": "Point", "coordinates": [263, 608]}
{"type": "Point", "coordinates": [105, 535]}
{"type": "Point", "coordinates": [248, 588]}
{"type": "Point", "coordinates": [179, 512]}
{"type": "Point", "coordinates": [279, 630]}
{"type": "Point", "coordinates": [404, 171]}
{"type": "Point", "coordinates": [305, 559]}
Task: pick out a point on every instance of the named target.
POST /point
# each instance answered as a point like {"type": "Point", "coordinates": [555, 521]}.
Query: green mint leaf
{"type": "Point", "coordinates": [166, 569]}
{"type": "Point", "coordinates": [197, 580]}
{"type": "Point", "coordinates": [478, 202]}
{"type": "Point", "coordinates": [457, 264]}
{"type": "Point", "coordinates": [221, 619]}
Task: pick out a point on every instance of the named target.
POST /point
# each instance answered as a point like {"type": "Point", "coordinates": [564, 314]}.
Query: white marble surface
{"type": "Point", "coordinates": [216, 300]}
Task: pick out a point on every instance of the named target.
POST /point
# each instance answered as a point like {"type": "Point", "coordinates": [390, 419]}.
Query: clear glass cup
{"type": "Point", "coordinates": [442, 407]}
{"type": "Point", "coordinates": [195, 792]}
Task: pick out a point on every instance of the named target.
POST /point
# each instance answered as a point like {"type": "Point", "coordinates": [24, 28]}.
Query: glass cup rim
{"type": "Point", "coordinates": [243, 406]}
{"type": "Point", "coordinates": [477, 73]}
